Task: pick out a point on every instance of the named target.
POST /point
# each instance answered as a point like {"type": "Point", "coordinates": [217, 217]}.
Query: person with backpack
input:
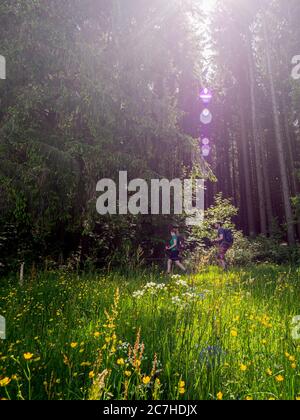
{"type": "Point", "coordinates": [224, 242]}
{"type": "Point", "coordinates": [173, 250]}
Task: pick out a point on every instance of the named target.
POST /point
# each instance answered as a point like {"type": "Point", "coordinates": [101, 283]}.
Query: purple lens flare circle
{"type": "Point", "coordinates": [205, 151]}
{"type": "Point", "coordinates": [206, 95]}
{"type": "Point", "coordinates": [206, 116]}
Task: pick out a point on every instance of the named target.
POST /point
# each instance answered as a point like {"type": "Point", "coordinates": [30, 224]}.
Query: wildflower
{"type": "Point", "coordinates": [243, 368]}
{"type": "Point", "coordinates": [28, 356]}
{"type": "Point", "coordinates": [219, 396]}
{"type": "Point", "coordinates": [279, 378]}
{"type": "Point", "coordinates": [138, 294]}
{"type": "Point", "coordinates": [292, 359]}
{"type": "Point", "coordinates": [146, 380]}
{"type": "Point", "coordinates": [74, 345]}
{"type": "Point", "coordinates": [91, 374]}
{"type": "Point", "coordinates": [269, 372]}
{"type": "Point", "coordinates": [249, 398]}
{"type": "Point", "coordinates": [234, 333]}
{"type": "Point", "coordinates": [181, 391]}
{"type": "Point", "coordinates": [137, 363]}
{"type": "Point", "coordinates": [4, 382]}
{"type": "Point", "coordinates": [298, 398]}
{"type": "Point", "coordinates": [294, 365]}
{"type": "Point", "coordinates": [272, 399]}
{"type": "Point", "coordinates": [120, 362]}
{"type": "Point", "coordinates": [181, 384]}
{"type": "Point", "coordinates": [127, 373]}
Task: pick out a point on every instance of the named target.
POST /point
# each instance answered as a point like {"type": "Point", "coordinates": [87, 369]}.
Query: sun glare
{"type": "Point", "coordinates": [208, 5]}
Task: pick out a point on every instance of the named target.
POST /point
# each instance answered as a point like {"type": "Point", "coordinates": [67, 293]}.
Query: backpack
{"type": "Point", "coordinates": [228, 236]}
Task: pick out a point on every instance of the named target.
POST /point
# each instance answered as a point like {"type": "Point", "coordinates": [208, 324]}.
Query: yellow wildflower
{"type": "Point", "coordinates": [243, 368]}
{"type": "Point", "coordinates": [146, 380]}
{"type": "Point", "coordinates": [28, 356]}
{"type": "Point", "coordinates": [279, 378]}
{"type": "Point", "coordinates": [4, 382]}
{"type": "Point", "coordinates": [137, 363]}
{"type": "Point", "coordinates": [219, 396]}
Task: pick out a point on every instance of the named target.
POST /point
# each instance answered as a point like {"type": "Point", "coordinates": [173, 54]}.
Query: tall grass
{"type": "Point", "coordinates": [146, 336]}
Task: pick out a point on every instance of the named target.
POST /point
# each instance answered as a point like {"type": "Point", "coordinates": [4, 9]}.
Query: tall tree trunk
{"type": "Point", "coordinates": [279, 142]}
{"type": "Point", "coordinates": [247, 174]}
{"type": "Point", "coordinates": [257, 141]}
{"type": "Point", "coordinates": [291, 161]}
{"type": "Point", "coordinates": [269, 207]}
{"type": "Point", "coordinates": [289, 148]}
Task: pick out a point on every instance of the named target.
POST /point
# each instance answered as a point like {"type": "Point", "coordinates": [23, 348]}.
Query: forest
{"type": "Point", "coordinates": [161, 90]}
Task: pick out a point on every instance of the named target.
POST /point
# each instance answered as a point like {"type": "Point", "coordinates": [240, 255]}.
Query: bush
{"type": "Point", "coordinates": [261, 249]}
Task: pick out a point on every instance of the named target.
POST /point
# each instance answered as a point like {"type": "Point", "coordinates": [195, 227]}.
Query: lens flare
{"type": "Point", "coordinates": [206, 116]}
{"type": "Point", "coordinates": [205, 151]}
{"type": "Point", "coordinates": [206, 96]}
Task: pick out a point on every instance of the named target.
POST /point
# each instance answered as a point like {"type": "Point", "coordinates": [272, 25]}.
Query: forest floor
{"type": "Point", "coordinates": [146, 336]}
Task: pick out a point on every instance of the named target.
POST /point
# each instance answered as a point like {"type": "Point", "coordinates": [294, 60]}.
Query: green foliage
{"type": "Point", "coordinates": [218, 333]}
{"type": "Point", "coordinates": [221, 211]}
{"type": "Point", "coordinates": [92, 88]}
{"type": "Point", "coordinates": [247, 251]}
{"type": "Point", "coordinates": [296, 204]}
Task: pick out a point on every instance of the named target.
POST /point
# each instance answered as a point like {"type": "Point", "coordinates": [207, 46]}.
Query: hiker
{"type": "Point", "coordinates": [224, 242]}
{"type": "Point", "coordinates": [173, 250]}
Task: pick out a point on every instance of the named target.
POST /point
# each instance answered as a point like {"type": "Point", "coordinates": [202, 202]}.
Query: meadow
{"type": "Point", "coordinates": [145, 336]}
